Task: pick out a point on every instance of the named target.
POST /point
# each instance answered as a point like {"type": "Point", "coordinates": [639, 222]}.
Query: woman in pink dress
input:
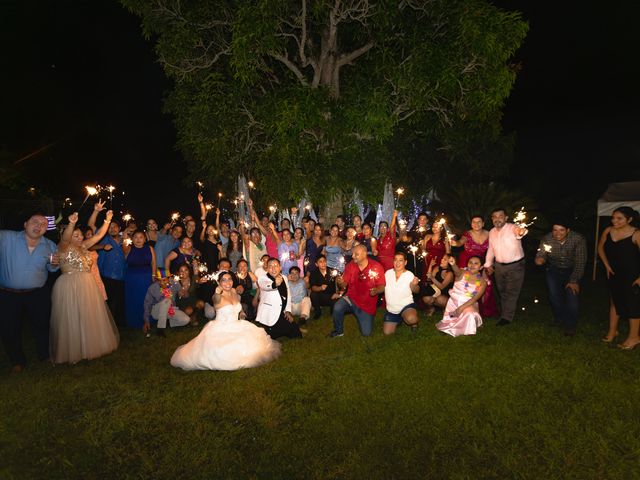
{"type": "Point", "coordinates": [461, 315]}
{"type": "Point", "coordinates": [387, 242]}
{"type": "Point", "coordinates": [476, 243]}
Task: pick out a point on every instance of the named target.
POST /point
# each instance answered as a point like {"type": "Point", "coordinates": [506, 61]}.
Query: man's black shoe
{"type": "Point", "coordinates": [503, 322]}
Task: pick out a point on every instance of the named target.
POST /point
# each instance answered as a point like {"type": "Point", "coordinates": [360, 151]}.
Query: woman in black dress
{"type": "Point", "coordinates": [619, 250]}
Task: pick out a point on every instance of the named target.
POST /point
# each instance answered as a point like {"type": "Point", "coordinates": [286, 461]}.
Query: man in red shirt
{"type": "Point", "coordinates": [364, 279]}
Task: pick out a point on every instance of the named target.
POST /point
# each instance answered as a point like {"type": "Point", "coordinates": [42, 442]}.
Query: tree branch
{"type": "Point", "coordinates": [347, 58]}
{"type": "Point", "coordinates": [290, 65]}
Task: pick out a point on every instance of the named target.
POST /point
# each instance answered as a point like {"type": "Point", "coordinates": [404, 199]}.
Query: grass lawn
{"type": "Point", "coordinates": [521, 401]}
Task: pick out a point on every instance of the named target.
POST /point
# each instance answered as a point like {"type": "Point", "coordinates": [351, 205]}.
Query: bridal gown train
{"type": "Point", "coordinates": [227, 343]}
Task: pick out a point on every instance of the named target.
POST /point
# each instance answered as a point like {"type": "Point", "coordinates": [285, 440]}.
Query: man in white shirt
{"type": "Point", "coordinates": [398, 293]}
{"type": "Point", "coordinates": [506, 257]}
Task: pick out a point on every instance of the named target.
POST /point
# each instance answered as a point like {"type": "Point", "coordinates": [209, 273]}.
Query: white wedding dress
{"type": "Point", "coordinates": [227, 343]}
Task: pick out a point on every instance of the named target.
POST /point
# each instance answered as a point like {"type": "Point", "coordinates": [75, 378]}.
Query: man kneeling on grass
{"type": "Point", "coordinates": [398, 294]}
{"type": "Point", "coordinates": [364, 279]}
{"type": "Point", "coordinates": [159, 304]}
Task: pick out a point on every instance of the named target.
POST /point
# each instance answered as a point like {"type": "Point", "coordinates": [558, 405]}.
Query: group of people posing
{"type": "Point", "coordinates": [252, 282]}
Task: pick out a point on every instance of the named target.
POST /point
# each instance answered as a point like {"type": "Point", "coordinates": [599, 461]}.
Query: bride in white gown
{"type": "Point", "coordinates": [226, 343]}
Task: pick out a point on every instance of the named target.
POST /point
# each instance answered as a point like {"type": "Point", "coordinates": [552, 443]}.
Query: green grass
{"type": "Point", "coordinates": [521, 401]}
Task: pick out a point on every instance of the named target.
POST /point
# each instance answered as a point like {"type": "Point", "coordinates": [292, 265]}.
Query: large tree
{"type": "Point", "coordinates": [334, 94]}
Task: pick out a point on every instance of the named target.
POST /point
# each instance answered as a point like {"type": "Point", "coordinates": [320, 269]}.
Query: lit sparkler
{"type": "Point", "coordinates": [174, 217]}
{"type": "Point", "coordinates": [90, 191]}
{"type": "Point", "coordinates": [402, 223]}
{"type": "Point", "coordinates": [272, 208]}
{"type": "Point", "coordinates": [111, 189]}
{"type": "Point", "coordinates": [520, 219]}
{"type": "Point", "coordinates": [208, 206]}
{"type": "Point", "coordinates": [373, 274]}
{"type": "Point", "coordinates": [127, 242]}
{"type": "Point", "coordinates": [547, 247]}
{"type": "Point", "coordinates": [202, 269]}
{"type": "Point", "coordinates": [413, 249]}
{"type": "Point", "coordinates": [399, 193]}
{"type": "Point", "coordinates": [250, 184]}
{"type": "Point", "coordinates": [213, 277]}
{"type": "Point", "coordinates": [219, 198]}
{"type": "Point", "coordinates": [200, 186]}
{"type": "Point", "coordinates": [127, 217]}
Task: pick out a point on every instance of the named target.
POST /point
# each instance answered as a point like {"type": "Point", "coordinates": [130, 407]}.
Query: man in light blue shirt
{"type": "Point", "coordinates": [26, 258]}
{"type": "Point", "coordinates": [300, 301]}
{"type": "Point", "coordinates": [167, 241]}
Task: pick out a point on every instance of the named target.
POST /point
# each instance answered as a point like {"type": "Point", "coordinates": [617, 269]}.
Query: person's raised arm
{"type": "Point", "coordinates": [456, 270]}
{"type": "Point", "coordinates": [218, 219]}
{"type": "Point", "coordinates": [65, 239]}
{"type": "Point", "coordinates": [203, 231]}
{"type": "Point", "coordinates": [274, 233]}
{"type": "Point", "coordinates": [97, 208]}
{"type": "Point", "coordinates": [101, 232]}
{"type": "Point", "coordinates": [392, 227]}
{"type": "Point", "coordinates": [203, 209]}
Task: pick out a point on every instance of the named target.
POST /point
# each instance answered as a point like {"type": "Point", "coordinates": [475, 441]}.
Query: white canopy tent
{"type": "Point", "coordinates": [616, 195]}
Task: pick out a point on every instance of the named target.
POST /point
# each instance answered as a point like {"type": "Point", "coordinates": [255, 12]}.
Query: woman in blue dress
{"type": "Point", "coordinates": [333, 249]}
{"type": "Point", "coordinates": [141, 260]}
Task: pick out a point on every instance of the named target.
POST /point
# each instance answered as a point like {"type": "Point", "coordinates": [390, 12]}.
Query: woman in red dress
{"type": "Point", "coordinates": [434, 246]}
{"type": "Point", "coordinates": [387, 242]}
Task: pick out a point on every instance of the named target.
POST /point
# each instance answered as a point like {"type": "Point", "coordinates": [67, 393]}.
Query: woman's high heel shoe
{"type": "Point", "coordinates": [607, 339]}
{"type": "Point", "coordinates": [622, 346]}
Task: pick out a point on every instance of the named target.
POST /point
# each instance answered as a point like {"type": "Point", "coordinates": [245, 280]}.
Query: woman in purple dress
{"type": "Point", "coordinates": [141, 260]}
{"type": "Point", "coordinates": [476, 243]}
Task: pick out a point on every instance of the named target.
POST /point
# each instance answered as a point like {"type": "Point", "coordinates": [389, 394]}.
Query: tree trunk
{"type": "Point", "coordinates": [328, 62]}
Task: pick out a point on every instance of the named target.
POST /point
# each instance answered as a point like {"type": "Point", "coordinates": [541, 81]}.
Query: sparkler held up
{"type": "Point", "coordinates": [90, 191]}
{"type": "Point", "coordinates": [219, 198]}
{"type": "Point", "coordinates": [111, 188]}
{"type": "Point", "coordinates": [399, 193]}
{"type": "Point", "coordinates": [520, 219]}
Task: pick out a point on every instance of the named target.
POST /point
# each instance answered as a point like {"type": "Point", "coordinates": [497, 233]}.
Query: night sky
{"type": "Point", "coordinates": [80, 75]}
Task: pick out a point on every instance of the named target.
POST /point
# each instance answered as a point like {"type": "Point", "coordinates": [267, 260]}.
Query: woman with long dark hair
{"type": "Point", "coordinates": [619, 250]}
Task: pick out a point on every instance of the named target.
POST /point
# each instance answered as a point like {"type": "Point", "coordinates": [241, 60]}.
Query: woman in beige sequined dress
{"type": "Point", "coordinates": [81, 324]}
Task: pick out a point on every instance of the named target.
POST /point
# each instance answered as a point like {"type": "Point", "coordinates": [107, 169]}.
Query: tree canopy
{"type": "Point", "coordinates": [329, 95]}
